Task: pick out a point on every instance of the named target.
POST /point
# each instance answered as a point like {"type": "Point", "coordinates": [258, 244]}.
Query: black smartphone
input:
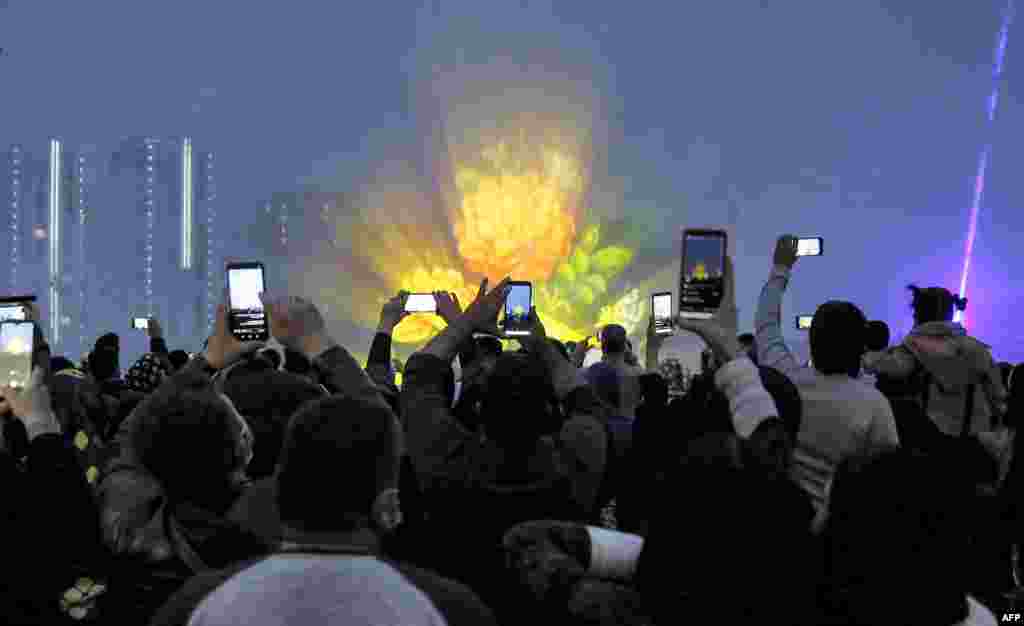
{"type": "Point", "coordinates": [803, 322]}
{"type": "Point", "coordinates": [246, 318]}
{"type": "Point", "coordinates": [810, 246]}
{"type": "Point", "coordinates": [661, 312]}
{"type": "Point", "coordinates": [421, 303]}
{"type": "Point", "coordinates": [702, 273]}
{"type": "Point", "coordinates": [140, 323]}
{"type": "Point", "coordinates": [517, 308]}
{"type": "Point", "coordinates": [17, 341]}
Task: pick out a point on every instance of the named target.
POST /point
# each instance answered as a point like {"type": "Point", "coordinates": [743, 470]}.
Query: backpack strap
{"type": "Point", "coordinates": [181, 545]}
{"type": "Point", "coordinates": [968, 410]}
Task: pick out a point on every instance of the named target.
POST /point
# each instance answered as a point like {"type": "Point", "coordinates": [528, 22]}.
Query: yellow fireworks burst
{"type": "Point", "coordinates": [516, 209]}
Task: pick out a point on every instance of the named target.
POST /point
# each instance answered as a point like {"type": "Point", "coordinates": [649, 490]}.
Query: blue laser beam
{"type": "Point", "coordinates": [986, 152]}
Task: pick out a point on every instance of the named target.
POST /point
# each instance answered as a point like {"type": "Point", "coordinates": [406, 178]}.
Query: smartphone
{"type": "Point", "coordinates": [16, 299]}
{"type": "Point", "coordinates": [803, 322]}
{"type": "Point", "coordinates": [140, 323]}
{"type": "Point", "coordinates": [702, 273]}
{"type": "Point", "coordinates": [13, 312]}
{"type": "Point", "coordinates": [810, 246]}
{"type": "Point", "coordinates": [517, 308]}
{"type": "Point", "coordinates": [16, 344]}
{"type": "Point", "coordinates": [246, 318]}
{"type": "Point", "coordinates": [421, 303]}
{"type": "Point", "coordinates": [661, 312]}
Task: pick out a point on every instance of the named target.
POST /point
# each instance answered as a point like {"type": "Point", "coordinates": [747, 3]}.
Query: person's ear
{"type": "Point", "coordinates": [387, 510]}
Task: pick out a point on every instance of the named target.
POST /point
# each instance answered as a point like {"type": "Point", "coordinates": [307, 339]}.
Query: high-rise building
{"type": "Point", "coordinates": [206, 250]}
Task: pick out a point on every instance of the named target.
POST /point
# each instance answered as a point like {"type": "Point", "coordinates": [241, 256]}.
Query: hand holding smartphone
{"type": "Point", "coordinates": [247, 320]}
{"type": "Point", "coordinates": [517, 308]}
{"type": "Point", "coordinates": [661, 312]}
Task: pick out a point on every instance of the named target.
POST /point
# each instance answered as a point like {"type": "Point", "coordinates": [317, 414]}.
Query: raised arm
{"type": "Point", "coordinates": [771, 346]}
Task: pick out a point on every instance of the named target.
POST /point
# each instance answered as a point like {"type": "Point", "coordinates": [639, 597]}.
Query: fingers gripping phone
{"type": "Point", "coordinates": [421, 303]}
{"type": "Point", "coordinates": [17, 340]}
{"type": "Point", "coordinates": [702, 273]}
{"type": "Point", "coordinates": [661, 312]}
{"type": "Point", "coordinates": [247, 320]}
{"type": "Point", "coordinates": [810, 246]}
{"type": "Point", "coordinates": [140, 323]}
{"type": "Point", "coordinates": [803, 322]}
{"type": "Point", "coordinates": [517, 309]}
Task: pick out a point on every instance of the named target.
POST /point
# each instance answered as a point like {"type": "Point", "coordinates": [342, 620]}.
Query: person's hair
{"type": "Point", "coordinates": [267, 399]}
{"type": "Point", "coordinates": [934, 304]}
{"type": "Point", "coordinates": [613, 339]}
{"type": "Point", "coordinates": [59, 363]}
{"type": "Point", "coordinates": [899, 518]}
{"type": "Point", "coordinates": [837, 338]}
{"type": "Point", "coordinates": [178, 359]}
{"type": "Point", "coordinates": [192, 446]}
{"type": "Point", "coordinates": [105, 357]}
{"type": "Point", "coordinates": [489, 346]}
{"type": "Point", "coordinates": [746, 339]}
{"type": "Point", "coordinates": [877, 336]}
{"type": "Point", "coordinates": [356, 442]}
{"type": "Point", "coordinates": [560, 347]}
{"type": "Point", "coordinates": [517, 405]}
{"type": "Point", "coordinates": [606, 382]}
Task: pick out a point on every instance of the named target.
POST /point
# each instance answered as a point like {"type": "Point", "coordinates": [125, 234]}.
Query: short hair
{"type": "Point", "coordinates": [837, 338]}
{"type": "Point", "coordinates": [353, 441]}
{"type": "Point", "coordinates": [606, 382]}
{"type": "Point", "coordinates": [877, 336]}
{"type": "Point", "coordinates": [560, 347]}
{"type": "Point", "coordinates": [192, 443]}
{"type": "Point", "coordinates": [268, 399]}
{"type": "Point", "coordinates": [516, 405]}
{"type": "Point", "coordinates": [178, 359]}
{"type": "Point", "coordinates": [489, 346]}
{"type": "Point", "coordinates": [613, 339]}
{"type": "Point", "coordinates": [934, 304]}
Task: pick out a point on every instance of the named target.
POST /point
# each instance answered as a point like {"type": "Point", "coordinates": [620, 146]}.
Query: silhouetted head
{"type": "Point", "coordinates": [934, 304]}
{"type": "Point", "coordinates": [517, 406]}
{"type": "Point", "coordinates": [613, 339]}
{"type": "Point", "coordinates": [357, 442]}
{"type": "Point", "coordinates": [878, 337]}
{"type": "Point", "coordinates": [837, 338]}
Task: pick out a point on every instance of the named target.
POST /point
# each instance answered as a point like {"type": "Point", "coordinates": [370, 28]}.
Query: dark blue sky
{"type": "Point", "coordinates": [857, 121]}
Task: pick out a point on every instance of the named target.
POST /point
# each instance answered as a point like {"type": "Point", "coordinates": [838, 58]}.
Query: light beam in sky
{"type": "Point", "coordinates": [979, 180]}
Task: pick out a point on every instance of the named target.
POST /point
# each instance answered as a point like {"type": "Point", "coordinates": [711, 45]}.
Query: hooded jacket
{"type": "Point", "coordinates": [954, 361]}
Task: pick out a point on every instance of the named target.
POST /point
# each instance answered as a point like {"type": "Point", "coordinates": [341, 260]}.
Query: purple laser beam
{"type": "Point", "coordinates": [979, 180]}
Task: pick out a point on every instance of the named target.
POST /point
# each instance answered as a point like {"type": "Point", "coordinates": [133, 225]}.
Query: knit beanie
{"type": "Point", "coordinates": [146, 374]}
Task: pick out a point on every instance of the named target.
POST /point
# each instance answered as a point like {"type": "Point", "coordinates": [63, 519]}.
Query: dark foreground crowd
{"type": "Point", "coordinates": [284, 483]}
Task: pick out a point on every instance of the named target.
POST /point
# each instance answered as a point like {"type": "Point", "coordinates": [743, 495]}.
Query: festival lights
{"type": "Point", "coordinates": [56, 171]}
{"type": "Point", "coordinates": [186, 204]}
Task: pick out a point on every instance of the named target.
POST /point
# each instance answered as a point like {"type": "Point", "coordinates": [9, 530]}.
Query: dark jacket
{"type": "Point", "coordinates": [50, 531]}
{"type": "Point", "coordinates": [475, 490]}
{"type": "Point", "coordinates": [129, 494]}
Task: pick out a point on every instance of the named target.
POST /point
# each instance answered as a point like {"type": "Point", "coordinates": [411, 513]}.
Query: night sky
{"type": "Point", "coordinates": [860, 122]}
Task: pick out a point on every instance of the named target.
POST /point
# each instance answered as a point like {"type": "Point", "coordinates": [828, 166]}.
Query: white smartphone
{"type": "Point", "coordinates": [661, 312]}
{"type": "Point", "coordinates": [421, 303]}
{"type": "Point", "coordinates": [803, 322]}
{"type": "Point", "coordinates": [810, 246]}
{"type": "Point", "coordinates": [16, 343]}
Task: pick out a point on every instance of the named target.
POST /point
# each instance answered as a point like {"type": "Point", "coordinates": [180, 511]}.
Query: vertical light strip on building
{"type": "Point", "coordinates": [56, 171]}
{"type": "Point", "coordinates": [15, 212]}
{"type": "Point", "coordinates": [186, 204]}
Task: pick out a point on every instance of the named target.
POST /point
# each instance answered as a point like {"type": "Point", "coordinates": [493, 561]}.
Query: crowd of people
{"type": "Point", "coordinates": [282, 482]}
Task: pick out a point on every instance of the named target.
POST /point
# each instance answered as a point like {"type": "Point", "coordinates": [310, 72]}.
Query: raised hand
{"type": "Point", "coordinates": [482, 314]}
{"type": "Point", "coordinates": [393, 312]}
{"type": "Point", "coordinates": [223, 347]}
{"type": "Point", "coordinates": [296, 323]}
{"type": "Point", "coordinates": [153, 329]}
{"type": "Point", "coordinates": [785, 251]}
{"type": "Point", "coordinates": [448, 307]}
